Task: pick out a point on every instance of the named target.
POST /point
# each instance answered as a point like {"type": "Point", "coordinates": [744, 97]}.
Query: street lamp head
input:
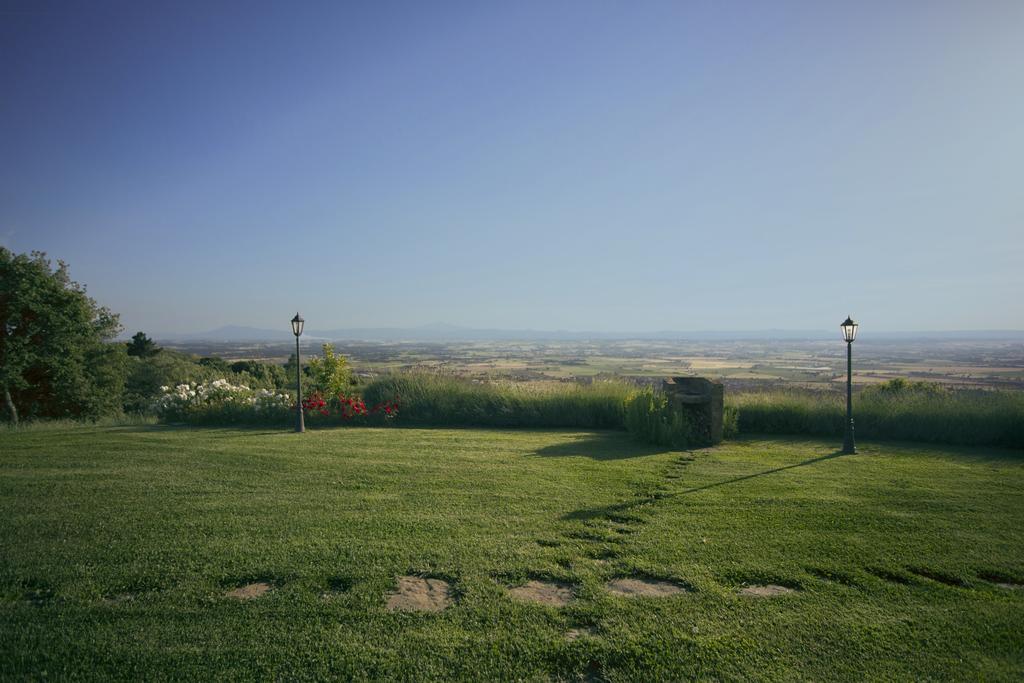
{"type": "Point", "coordinates": [297, 323]}
{"type": "Point", "coordinates": [849, 330]}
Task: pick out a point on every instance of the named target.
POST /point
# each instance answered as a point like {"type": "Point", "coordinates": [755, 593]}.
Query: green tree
{"type": "Point", "coordinates": [54, 357]}
{"type": "Point", "coordinates": [266, 375]}
{"type": "Point", "coordinates": [289, 373]}
{"type": "Point", "coordinates": [330, 375]}
{"type": "Point", "coordinates": [167, 368]}
{"type": "Point", "coordinates": [142, 346]}
{"type": "Point", "coordinates": [216, 364]}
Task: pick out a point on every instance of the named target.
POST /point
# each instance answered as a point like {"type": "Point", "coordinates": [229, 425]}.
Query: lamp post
{"type": "Point", "coordinates": [297, 323]}
{"type": "Point", "coordinates": [849, 334]}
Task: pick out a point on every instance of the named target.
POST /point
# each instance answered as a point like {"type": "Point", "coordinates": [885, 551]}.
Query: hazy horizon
{"type": "Point", "coordinates": [446, 332]}
{"type": "Point", "coordinates": [581, 166]}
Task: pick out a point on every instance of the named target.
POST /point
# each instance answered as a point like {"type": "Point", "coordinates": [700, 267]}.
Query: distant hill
{"type": "Point", "coordinates": [440, 332]}
{"type": "Point", "coordinates": [231, 333]}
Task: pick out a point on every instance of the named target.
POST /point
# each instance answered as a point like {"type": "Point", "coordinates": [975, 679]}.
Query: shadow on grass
{"type": "Point", "coordinates": [627, 506]}
{"type": "Point", "coordinates": [232, 430]}
{"type": "Point", "coordinates": [602, 446]}
{"type": "Point", "coordinates": [734, 480]}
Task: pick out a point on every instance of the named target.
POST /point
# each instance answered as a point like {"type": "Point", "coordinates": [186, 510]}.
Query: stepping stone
{"type": "Point", "coordinates": [577, 633]}
{"type": "Point", "coordinates": [643, 588]}
{"type": "Point", "coordinates": [768, 591]}
{"type": "Point", "coordinates": [543, 593]}
{"type": "Point", "coordinates": [250, 591]}
{"type": "Point", "coordinates": [417, 594]}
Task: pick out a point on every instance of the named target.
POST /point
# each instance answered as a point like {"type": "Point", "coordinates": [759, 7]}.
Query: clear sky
{"type": "Point", "coordinates": [552, 165]}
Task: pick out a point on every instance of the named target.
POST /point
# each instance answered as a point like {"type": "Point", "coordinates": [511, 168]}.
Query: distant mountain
{"type": "Point", "coordinates": [231, 333]}
{"type": "Point", "coordinates": [439, 332]}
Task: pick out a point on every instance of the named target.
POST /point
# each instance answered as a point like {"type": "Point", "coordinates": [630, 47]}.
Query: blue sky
{"type": "Point", "coordinates": [551, 165]}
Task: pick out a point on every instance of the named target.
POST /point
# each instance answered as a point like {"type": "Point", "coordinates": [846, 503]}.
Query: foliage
{"type": "Point", "coordinates": [108, 365]}
{"type": "Point", "coordinates": [53, 360]}
{"type": "Point", "coordinates": [446, 400]}
{"type": "Point", "coordinates": [263, 374]}
{"type": "Point", "coordinates": [290, 371]}
{"type": "Point", "coordinates": [730, 422]}
{"type": "Point", "coordinates": [331, 374]}
{"type": "Point", "coordinates": [650, 416]}
{"type": "Point", "coordinates": [220, 402]}
{"type": "Point", "coordinates": [215, 363]}
{"type": "Point", "coordinates": [146, 376]}
{"type": "Point", "coordinates": [917, 411]}
{"type": "Point", "coordinates": [352, 407]}
{"type": "Point", "coordinates": [142, 346]}
{"type": "Point", "coordinates": [170, 368]}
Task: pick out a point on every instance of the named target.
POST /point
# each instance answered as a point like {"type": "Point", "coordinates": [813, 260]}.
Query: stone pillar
{"type": "Point", "coordinates": [703, 401]}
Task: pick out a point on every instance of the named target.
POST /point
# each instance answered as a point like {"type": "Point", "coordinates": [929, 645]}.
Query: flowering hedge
{"type": "Point", "coordinates": [220, 402]}
{"type": "Point", "coordinates": [349, 407]}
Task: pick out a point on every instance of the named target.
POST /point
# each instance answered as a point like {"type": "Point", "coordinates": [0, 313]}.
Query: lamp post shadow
{"type": "Point", "coordinates": [625, 506]}
{"type": "Point", "coordinates": [805, 463]}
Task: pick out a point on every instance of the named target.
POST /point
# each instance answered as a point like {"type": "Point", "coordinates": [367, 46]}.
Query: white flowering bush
{"type": "Point", "coordinates": [220, 401]}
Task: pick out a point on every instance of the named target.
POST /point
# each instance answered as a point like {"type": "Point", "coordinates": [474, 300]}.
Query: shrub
{"type": "Point", "coordinates": [220, 402]}
{"type": "Point", "coordinates": [330, 375]}
{"type": "Point", "coordinates": [650, 417]}
{"type": "Point", "coordinates": [265, 375]}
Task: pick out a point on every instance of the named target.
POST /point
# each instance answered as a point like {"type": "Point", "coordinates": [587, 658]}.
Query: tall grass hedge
{"type": "Point", "coordinates": [914, 411]}
{"type": "Point", "coordinates": [445, 400]}
{"type": "Point", "coordinates": [650, 417]}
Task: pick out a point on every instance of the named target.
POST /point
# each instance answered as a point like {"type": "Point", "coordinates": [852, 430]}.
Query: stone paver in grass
{"type": "Point", "coordinates": [547, 593]}
{"type": "Point", "coordinates": [249, 591]}
{"type": "Point", "coordinates": [644, 588]}
{"type": "Point", "coordinates": [767, 591]}
{"type": "Point", "coordinates": [417, 594]}
{"type": "Point", "coordinates": [577, 633]}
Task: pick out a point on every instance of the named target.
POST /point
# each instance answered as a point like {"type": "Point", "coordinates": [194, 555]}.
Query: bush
{"type": "Point", "coordinates": [220, 402]}
{"type": "Point", "coordinates": [266, 375]}
{"type": "Point", "coordinates": [330, 375]}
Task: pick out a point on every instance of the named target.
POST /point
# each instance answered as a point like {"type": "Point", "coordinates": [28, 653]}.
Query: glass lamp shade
{"type": "Point", "coordinates": [297, 323]}
{"type": "Point", "coordinates": [849, 329]}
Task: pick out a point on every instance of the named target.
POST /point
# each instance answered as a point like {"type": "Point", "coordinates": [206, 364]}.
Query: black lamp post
{"type": "Point", "coordinates": [297, 323]}
{"type": "Point", "coordinates": [849, 334]}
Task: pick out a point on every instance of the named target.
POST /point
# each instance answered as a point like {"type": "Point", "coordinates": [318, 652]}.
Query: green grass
{"type": "Point", "coordinates": [118, 543]}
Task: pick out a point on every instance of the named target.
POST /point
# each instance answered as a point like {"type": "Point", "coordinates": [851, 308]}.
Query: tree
{"type": "Point", "coordinates": [331, 375]}
{"type": "Point", "coordinates": [142, 346]}
{"type": "Point", "coordinates": [264, 374]}
{"type": "Point", "coordinates": [54, 357]}
{"type": "Point", "coordinates": [214, 363]}
{"type": "Point", "coordinates": [290, 368]}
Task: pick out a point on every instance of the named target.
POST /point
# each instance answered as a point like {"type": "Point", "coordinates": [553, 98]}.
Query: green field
{"type": "Point", "coordinates": [118, 546]}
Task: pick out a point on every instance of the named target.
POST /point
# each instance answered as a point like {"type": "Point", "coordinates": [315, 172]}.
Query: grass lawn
{"type": "Point", "coordinates": [118, 546]}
